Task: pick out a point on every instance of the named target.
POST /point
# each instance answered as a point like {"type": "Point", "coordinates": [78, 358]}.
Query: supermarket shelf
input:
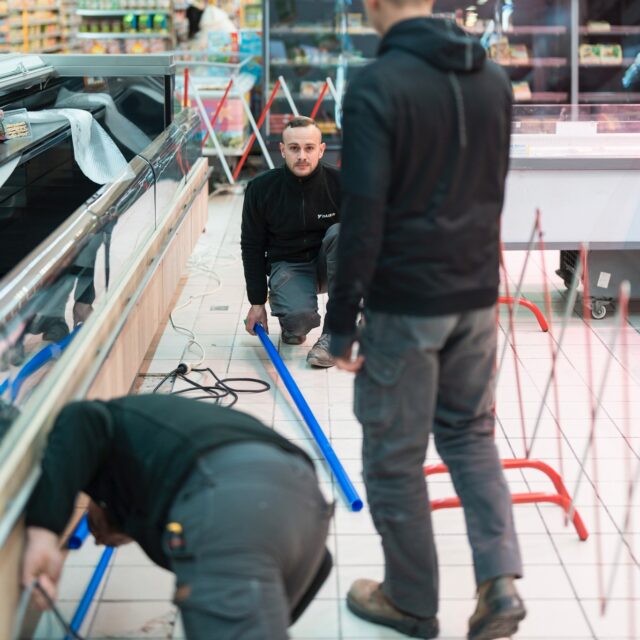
{"type": "Point", "coordinates": [625, 30]}
{"type": "Point", "coordinates": [37, 8]}
{"type": "Point", "coordinates": [32, 23]}
{"type": "Point", "coordinates": [123, 36]}
{"type": "Point", "coordinates": [334, 63]}
{"type": "Point", "coordinates": [596, 65]}
{"type": "Point", "coordinates": [547, 97]}
{"type": "Point", "coordinates": [40, 36]}
{"type": "Point", "coordinates": [123, 12]}
{"type": "Point", "coordinates": [607, 96]}
{"type": "Point", "coordinates": [536, 62]}
{"type": "Point", "coordinates": [283, 31]}
{"type": "Point", "coordinates": [526, 30]}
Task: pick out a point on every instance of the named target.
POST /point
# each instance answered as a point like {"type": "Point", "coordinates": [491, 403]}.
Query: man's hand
{"type": "Point", "coordinates": [257, 314]}
{"type": "Point", "coordinates": [42, 561]}
{"type": "Point", "coordinates": [347, 363]}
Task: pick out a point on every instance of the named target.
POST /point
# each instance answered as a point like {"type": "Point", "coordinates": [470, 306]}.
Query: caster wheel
{"type": "Point", "coordinates": [598, 310]}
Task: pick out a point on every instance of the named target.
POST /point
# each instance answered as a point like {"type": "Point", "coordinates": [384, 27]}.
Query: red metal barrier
{"type": "Point", "coordinates": [214, 118]}
{"type": "Point", "coordinates": [561, 497]}
{"type": "Point", "coordinates": [263, 115]}
{"type": "Point", "coordinates": [185, 99]}
{"type": "Point", "coordinates": [542, 321]}
{"type": "Point", "coordinates": [316, 106]}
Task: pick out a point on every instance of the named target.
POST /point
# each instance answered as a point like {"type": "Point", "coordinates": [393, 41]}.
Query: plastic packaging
{"type": "Point", "coordinates": [14, 124]}
{"type": "Point", "coordinates": [95, 152]}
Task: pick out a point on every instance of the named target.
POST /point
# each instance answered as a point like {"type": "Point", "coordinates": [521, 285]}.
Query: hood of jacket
{"type": "Point", "coordinates": [440, 43]}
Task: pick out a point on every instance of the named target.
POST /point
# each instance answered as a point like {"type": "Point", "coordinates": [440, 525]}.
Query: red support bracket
{"type": "Point", "coordinates": [185, 98]}
{"type": "Point", "coordinates": [263, 115]}
{"type": "Point", "coordinates": [316, 106]}
{"type": "Point", "coordinates": [216, 113]}
{"type": "Point", "coordinates": [542, 321]}
{"type": "Point", "coordinates": [561, 497]}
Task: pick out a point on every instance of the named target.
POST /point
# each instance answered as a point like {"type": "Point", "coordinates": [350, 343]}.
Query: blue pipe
{"type": "Point", "coordinates": [92, 587]}
{"type": "Point", "coordinates": [79, 534]}
{"type": "Point", "coordinates": [316, 430]}
{"type": "Point", "coordinates": [38, 361]}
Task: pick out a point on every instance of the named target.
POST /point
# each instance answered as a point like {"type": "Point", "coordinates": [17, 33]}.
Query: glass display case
{"type": "Point", "coordinates": [306, 42]}
{"type": "Point", "coordinates": [580, 167]}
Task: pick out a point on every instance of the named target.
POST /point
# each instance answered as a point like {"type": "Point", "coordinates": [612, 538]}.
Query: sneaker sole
{"type": "Point", "coordinates": [500, 626]}
{"type": "Point", "coordinates": [321, 364]}
{"type": "Point", "coordinates": [407, 628]}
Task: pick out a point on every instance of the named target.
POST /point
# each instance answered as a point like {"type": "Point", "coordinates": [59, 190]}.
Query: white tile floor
{"type": "Point", "coordinates": [561, 581]}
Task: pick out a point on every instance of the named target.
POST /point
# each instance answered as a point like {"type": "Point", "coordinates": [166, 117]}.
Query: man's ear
{"type": "Point", "coordinates": [282, 149]}
{"type": "Point", "coordinates": [323, 146]}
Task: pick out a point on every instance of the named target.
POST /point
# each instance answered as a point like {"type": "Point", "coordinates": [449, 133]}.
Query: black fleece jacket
{"type": "Point", "coordinates": [285, 218]}
{"type": "Point", "coordinates": [425, 156]}
{"type": "Point", "coordinates": [131, 455]}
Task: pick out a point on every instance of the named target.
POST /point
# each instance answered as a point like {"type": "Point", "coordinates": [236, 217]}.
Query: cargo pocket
{"type": "Point", "coordinates": [375, 385]}
{"type": "Point", "coordinates": [223, 607]}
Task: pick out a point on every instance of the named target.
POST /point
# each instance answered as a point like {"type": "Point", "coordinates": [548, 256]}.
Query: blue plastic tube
{"type": "Point", "coordinates": [316, 430]}
{"type": "Point", "coordinates": [79, 535]}
{"type": "Point", "coordinates": [92, 587]}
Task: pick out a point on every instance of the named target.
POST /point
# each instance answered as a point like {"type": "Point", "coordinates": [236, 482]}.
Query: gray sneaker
{"type": "Point", "coordinates": [319, 355]}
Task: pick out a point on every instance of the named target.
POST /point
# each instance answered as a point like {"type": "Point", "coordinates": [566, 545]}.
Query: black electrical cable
{"type": "Point", "coordinates": [71, 633]}
{"type": "Point", "coordinates": [218, 391]}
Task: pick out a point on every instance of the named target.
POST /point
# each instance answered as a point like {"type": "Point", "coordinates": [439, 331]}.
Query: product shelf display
{"type": "Point", "coordinates": [609, 37]}
{"type": "Point", "coordinates": [306, 43]}
{"type": "Point", "coordinates": [34, 27]}
{"type": "Point", "coordinates": [126, 26]}
{"type": "Point", "coordinates": [531, 40]}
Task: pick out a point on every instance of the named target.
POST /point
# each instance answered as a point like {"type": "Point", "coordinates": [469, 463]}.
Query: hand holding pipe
{"type": "Point", "coordinates": [316, 430]}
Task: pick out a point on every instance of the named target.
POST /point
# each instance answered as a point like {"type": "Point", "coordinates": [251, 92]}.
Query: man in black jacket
{"type": "Point", "coordinates": [425, 157]}
{"type": "Point", "coordinates": [227, 504]}
{"type": "Point", "coordinates": [290, 231]}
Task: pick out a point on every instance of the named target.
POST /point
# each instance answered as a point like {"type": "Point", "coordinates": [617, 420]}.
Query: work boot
{"type": "Point", "coordinates": [319, 355]}
{"type": "Point", "coordinates": [292, 338]}
{"type": "Point", "coordinates": [499, 610]}
{"type": "Point", "coordinates": [367, 600]}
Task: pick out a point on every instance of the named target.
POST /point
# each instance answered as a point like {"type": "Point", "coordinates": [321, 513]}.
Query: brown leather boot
{"type": "Point", "coordinates": [499, 611]}
{"type": "Point", "coordinates": [367, 600]}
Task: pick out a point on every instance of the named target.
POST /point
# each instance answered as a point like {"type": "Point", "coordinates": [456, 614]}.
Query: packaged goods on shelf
{"type": "Point", "coordinates": [521, 91]}
{"type": "Point", "coordinates": [600, 54]}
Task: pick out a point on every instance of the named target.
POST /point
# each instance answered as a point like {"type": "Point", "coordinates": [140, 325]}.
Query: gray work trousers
{"type": "Point", "coordinates": [423, 375]}
{"type": "Point", "coordinates": [294, 286]}
{"type": "Point", "coordinates": [255, 526]}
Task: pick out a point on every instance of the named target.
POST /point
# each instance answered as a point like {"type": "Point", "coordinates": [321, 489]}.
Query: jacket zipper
{"type": "Point", "coordinates": [304, 220]}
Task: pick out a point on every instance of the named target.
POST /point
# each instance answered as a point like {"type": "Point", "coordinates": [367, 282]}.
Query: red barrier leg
{"type": "Point", "coordinates": [214, 118]}
{"type": "Point", "coordinates": [542, 321]}
{"type": "Point", "coordinates": [252, 139]}
{"type": "Point", "coordinates": [561, 497]}
{"type": "Point", "coordinates": [316, 106]}
{"type": "Point", "coordinates": [185, 99]}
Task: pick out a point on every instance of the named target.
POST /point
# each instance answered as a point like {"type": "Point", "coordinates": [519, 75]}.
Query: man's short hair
{"type": "Point", "coordinates": [301, 121]}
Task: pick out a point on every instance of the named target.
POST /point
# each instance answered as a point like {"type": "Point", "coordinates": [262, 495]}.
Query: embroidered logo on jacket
{"type": "Point", "coordinates": [322, 216]}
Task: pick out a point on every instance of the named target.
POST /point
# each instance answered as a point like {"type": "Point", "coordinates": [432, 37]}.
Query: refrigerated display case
{"type": "Point", "coordinates": [580, 166]}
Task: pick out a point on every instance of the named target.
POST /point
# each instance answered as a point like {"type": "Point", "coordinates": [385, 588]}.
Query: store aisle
{"type": "Point", "coordinates": [561, 586]}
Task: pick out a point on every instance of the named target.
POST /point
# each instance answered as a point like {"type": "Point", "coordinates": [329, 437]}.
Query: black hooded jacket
{"type": "Point", "coordinates": [425, 156]}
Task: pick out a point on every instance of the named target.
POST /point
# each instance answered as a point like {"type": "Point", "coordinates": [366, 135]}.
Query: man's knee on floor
{"type": "Point", "coordinates": [300, 322]}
